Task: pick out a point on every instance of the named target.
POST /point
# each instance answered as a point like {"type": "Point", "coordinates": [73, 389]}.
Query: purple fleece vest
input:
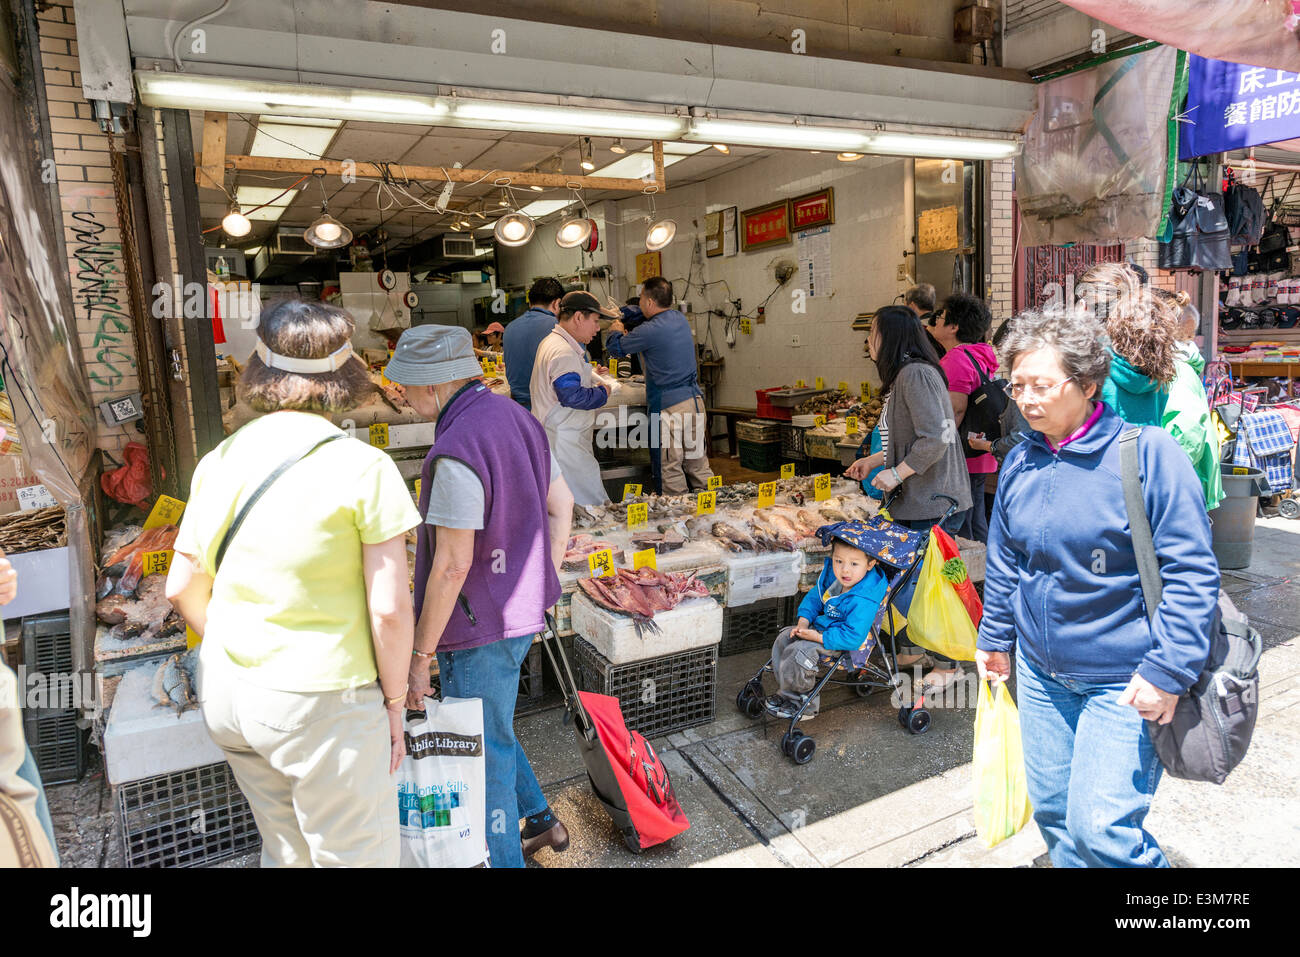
{"type": "Point", "coordinates": [512, 581]}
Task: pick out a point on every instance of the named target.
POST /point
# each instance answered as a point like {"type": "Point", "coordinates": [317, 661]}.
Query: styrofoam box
{"type": "Point", "coordinates": [695, 623]}
{"type": "Point", "coordinates": [751, 578]}
{"type": "Point", "coordinates": [144, 738]}
{"type": "Point", "coordinates": [973, 554]}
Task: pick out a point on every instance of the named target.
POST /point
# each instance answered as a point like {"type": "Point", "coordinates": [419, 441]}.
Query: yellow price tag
{"type": "Point", "coordinates": [844, 386]}
{"type": "Point", "coordinates": [166, 511]}
{"type": "Point", "coordinates": [1238, 470]}
{"type": "Point", "coordinates": [418, 482]}
{"type": "Point", "coordinates": [379, 435]}
{"type": "Point", "coordinates": [613, 368]}
{"type": "Point", "coordinates": [822, 487]}
{"type": "Point", "coordinates": [819, 420]}
{"type": "Point", "coordinates": [800, 384]}
{"type": "Point", "coordinates": [191, 638]}
{"type": "Point", "coordinates": [601, 563]}
{"type": "Point", "coordinates": [850, 424]}
{"type": "Point", "coordinates": [746, 327]}
{"type": "Point", "coordinates": [489, 368]}
{"type": "Point", "coordinates": [766, 494]}
{"type": "Point", "coordinates": [631, 491]}
{"type": "Point", "coordinates": [866, 390]}
{"type": "Point", "coordinates": [705, 503]}
{"type": "Point", "coordinates": [787, 470]}
{"type": "Point", "coordinates": [819, 383]}
{"type": "Point", "coordinates": [715, 482]}
{"type": "Point", "coordinates": [637, 514]}
{"type": "Point", "coordinates": [157, 562]}
{"type": "Point", "coordinates": [644, 559]}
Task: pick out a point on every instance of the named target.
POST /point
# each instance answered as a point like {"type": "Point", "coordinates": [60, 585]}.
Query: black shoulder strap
{"type": "Point", "coordinates": [261, 490]}
{"type": "Point", "coordinates": [979, 369]}
{"type": "Point", "coordinates": [1144, 546]}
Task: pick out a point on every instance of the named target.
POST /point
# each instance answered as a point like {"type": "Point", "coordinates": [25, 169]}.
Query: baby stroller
{"type": "Point", "coordinates": [900, 551]}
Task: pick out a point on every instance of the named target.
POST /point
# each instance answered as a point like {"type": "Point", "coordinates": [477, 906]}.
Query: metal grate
{"type": "Point", "coordinates": [754, 626]}
{"type": "Point", "coordinates": [58, 745]}
{"type": "Point", "coordinates": [657, 696]}
{"type": "Point", "coordinates": [186, 818]}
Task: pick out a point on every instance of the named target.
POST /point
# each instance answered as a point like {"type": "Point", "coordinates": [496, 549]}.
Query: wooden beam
{"type": "Point", "coordinates": [438, 174]}
{"type": "Point", "coordinates": [211, 173]}
{"type": "Point", "coordinates": [658, 146]}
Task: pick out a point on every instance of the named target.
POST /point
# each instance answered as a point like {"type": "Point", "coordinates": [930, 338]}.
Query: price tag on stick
{"type": "Point", "coordinates": [819, 420]}
{"type": "Point", "coordinates": [715, 482]}
{"type": "Point", "coordinates": [819, 383]}
{"type": "Point", "coordinates": [706, 503]}
{"type": "Point", "coordinates": [601, 563]}
{"type": "Point", "coordinates": [766, 494]}
{"type": "Point", "coordinates": [844, 386]}
{"type": "Point", "coordinates": [638, 514]}
{"type": "Point", "coordinates": [644, 559]}
{"type": "Point", "coordinates": [379, 435]}
{"type": "Point", "coordinates": [166, 511]}
{"type": "Point", "coordinates": [850, 424]}
{"type": "Point", "coordinates": [631, 491]}
{"type": "Point", "coordinates": [822, 487]}
{"type": "Point", "coordinates": [157, 562]}
{"type": "Point", "coordinates": [787, 470]}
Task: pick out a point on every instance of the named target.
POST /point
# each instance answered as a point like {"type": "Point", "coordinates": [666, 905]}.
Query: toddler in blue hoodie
{"type": "Point", "coordinates": [836, 615]}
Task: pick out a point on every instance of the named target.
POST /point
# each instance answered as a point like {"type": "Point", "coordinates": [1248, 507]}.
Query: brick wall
{"type": "Point", "coordinates": [100, 297]}
{"type": "Point", "coordinates": [1002, 238]}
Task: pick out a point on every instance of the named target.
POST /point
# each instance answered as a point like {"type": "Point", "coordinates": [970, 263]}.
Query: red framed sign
{"type": "Point", "coordinates": [813, 209]}
{"type": "Point", "coordinates": [765, 226]}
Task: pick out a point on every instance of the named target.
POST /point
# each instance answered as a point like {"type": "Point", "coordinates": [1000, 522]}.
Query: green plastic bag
{"type": "Point", "coordinates": [998, 768]}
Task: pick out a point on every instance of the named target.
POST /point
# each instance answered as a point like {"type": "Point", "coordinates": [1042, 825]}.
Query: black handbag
{"type": "Point", "coordinates": [1200, 227]}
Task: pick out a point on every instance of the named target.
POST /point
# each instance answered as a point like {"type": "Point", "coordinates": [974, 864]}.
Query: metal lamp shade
{"type": "Point", "coordinates": [514, 229]}
{"type": "Point", "coordinates": [660, 234]}
{"type": "Point", "coordinates": [327, 233]}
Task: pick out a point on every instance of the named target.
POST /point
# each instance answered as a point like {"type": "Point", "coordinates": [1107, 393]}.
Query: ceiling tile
{"type": "Point", "coordinates": [371, 146]}
{"type": "Point", "coordinates": [440, 150]}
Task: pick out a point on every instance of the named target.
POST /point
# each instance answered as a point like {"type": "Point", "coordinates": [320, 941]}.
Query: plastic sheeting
{"type": "Point", "coordinates": [39, 357]}
{"type": "Point", "coordinates": [1095, 156]}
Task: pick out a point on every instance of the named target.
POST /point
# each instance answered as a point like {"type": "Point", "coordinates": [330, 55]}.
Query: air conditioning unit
{"type": "Point", "coordinates": [289, 242]}
{"type": "Point", "coordinates": [458, 247]}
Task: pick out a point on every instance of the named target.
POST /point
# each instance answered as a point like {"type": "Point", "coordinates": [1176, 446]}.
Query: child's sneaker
{"type": "Point", "coordinates": [779, 706]}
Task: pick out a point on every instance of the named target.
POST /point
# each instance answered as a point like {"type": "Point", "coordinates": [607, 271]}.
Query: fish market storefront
{"type": "Point", "coordinates": [434, 181]}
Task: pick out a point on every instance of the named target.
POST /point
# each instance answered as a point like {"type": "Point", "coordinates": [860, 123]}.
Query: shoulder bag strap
{"type": "Point", "coordinates": [261, 490]}
{"type": "Point", "coordinates": [979, 369]}
{"type": "Point", "coordinates": [1144, 546]}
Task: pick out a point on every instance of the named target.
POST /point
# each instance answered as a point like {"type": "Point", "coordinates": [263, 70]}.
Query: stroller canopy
{"type": "Point", "coordinates": [881, 539]}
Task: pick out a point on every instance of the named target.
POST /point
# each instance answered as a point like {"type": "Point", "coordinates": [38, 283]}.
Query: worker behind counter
{"type": "Point", "coordinates": [525, 333]}
{"type": "Point", "coordinates": [666, 345]}
{"type": "Point", "coordinates": [566, 392]}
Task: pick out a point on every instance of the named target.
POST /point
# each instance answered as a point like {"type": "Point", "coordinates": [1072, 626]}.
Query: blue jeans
{"type": "Point", "coordinates": [491, 672]}
{"type": "Point", "coordinates": [1091, 770]}
{"type": "Point", "coordinates": [975, 520]}
{"type": "Point", "coordinates": [29, 773]}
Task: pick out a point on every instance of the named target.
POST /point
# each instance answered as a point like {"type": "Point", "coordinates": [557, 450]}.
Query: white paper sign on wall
{"type": "Point", "coordinates": [34, 497]}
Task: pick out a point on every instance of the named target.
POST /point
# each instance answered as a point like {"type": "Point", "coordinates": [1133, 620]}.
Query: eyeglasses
{"type": "Point", "coordinates": [1017, 389]}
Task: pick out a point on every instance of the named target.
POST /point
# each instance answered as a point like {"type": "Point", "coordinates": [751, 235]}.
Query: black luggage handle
{"type": "Point", "coordinates": [567, 683]}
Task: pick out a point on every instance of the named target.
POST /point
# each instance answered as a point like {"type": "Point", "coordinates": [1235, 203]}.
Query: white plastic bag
{"type": "Point", "coordinates": [441, 783]}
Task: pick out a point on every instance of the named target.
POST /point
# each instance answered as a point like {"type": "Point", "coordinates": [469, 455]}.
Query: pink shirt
{"type": "Point", "coordinates": [962, 378]}
{"type": "Point", "coordinates": [1081, 431]}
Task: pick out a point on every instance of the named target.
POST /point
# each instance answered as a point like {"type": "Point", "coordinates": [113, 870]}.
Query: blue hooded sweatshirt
{"type": "Point", "coordinates": [844, 620]}
{"type": "Point", "coordinates": [1062, 577]}
{"type": "Point", "coordinates": [1136, 398]}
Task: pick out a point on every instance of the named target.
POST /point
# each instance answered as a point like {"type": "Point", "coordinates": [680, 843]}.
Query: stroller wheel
{"type": "Point", "coordinates": [862, 690]}
{"type": "Point", "coordinates": [918, 722]}
{"type": "Point", "coordinates": [803, 750]}
{"type": "Point", "coordinates": [1288, 508]}
{"type": "Point", "coordinates": [789, 741]}
{"type": "Point", "coordinates": [750, 700]}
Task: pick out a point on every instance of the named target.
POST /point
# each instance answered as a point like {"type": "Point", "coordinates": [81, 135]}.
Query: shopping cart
{"type": "Point", "coordinates": [901, 551]}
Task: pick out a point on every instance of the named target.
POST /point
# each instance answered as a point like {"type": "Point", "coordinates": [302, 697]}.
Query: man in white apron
{"type": "Point", "coordinates": [566, 392]}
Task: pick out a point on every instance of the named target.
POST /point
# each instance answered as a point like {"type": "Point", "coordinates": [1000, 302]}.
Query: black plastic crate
{"type": "Point", "coordinates": [658, 695]}
{"type": "Point", "coordinates": [754, 626]}
{"type": "Point", "coordinates": [58, 745]}
{"type": "Point", "coordinates": [47, 643]}
{"type": "Point", "coordinates": [186, 818]}
{"type": "Point", "coordinates": [792, 441]}
{"type": "Point", "coordinates": [531, 683]}
{"type": "Point", "coordinates": [760, 456]}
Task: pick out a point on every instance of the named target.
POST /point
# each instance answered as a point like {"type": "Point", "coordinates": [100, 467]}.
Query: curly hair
{"type": "Point", "coordinates": [304, 330]}
{"type": "Point", "coordinates": [1141, 328]}
{"type": "Point", "coordinates": [970, 314]}
{"type": "Point", "coordinates": [1072, 333]}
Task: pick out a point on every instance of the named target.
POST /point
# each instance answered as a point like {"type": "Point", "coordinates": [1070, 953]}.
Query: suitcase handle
{"type": "Point", "coordinates": [567, 683]}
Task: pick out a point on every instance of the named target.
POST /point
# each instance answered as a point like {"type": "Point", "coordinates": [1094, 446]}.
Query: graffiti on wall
{"type": "Point", "coordinates": [98, 290]}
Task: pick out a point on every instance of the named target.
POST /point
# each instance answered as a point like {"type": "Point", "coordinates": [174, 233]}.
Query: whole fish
{"type": "Point", "coordinates": [833, 515]}
{"type": "Point", "coordinates": [173, 682]}
{"type": "Point", "coordinates": [809, 520]}
{"type": "Point", "coordinates": [733, 538]}
{"type": "Point", "coordinates": [701, 526]}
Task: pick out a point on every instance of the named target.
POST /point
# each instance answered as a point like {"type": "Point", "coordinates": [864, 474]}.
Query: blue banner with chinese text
{"type": "Point", "coordinates": [1231, 106]}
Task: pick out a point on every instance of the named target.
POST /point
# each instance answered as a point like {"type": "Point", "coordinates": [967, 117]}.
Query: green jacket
{"type": "Point", "coordinates": [1187, 419]}
{"type": "Point", "coordinates": [1136, 398]}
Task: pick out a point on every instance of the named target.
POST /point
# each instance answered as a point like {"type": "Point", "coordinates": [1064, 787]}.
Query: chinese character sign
{"type": "Point", "coordinates": [1232, 106]}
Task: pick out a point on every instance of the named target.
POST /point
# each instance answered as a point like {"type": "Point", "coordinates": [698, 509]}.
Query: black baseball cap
{"type": "Point", "coordinates": [580, 301]}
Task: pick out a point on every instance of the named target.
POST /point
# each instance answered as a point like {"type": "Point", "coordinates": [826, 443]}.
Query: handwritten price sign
{"type": "Point", "coordinates": [787, 470]}
{"type": "Point", "coordinates": [601, 563]}
{"type": "Point", "coordinates": [746, 327]}
{"type": "Point", "coordinates": [379, 435]}
{"type": "Point", "coordinates": [715, 482]}
{"type": "Point", "coordinates": [157, 563]}
{"type": "Point", "coordinates": [706, 503]}
{"type": "Point", "coordinates": [766, 494]}
{"type": "Point", "coordinates": [166, 511]}
{"type": "Point", "coordinates": [819, 420]}
{"type": "Point", "coordinates": [851, 424]}
{"type": "Point", "coordinates": [631, 491]}
{"type": "Point", "coordinates": [822, 487]}
{"type": "Point", "coordinates": [637, 514]}
{"type": "Point", "coordinates": [844, 386]}
{"type": "Point", "coordinates": [819, 383]}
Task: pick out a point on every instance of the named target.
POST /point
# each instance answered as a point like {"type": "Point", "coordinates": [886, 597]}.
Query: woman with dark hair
{"type": "Point", "coordinates": [920, 454]}
{"type": "Point", "coordinates": [305, 608]}
{"type": "Point", "coordinates": [961, 327]}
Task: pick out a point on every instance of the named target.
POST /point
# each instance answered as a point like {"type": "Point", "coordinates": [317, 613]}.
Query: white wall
{"type": "Point", "coordinates": [520, 265]}
{"type": "Point", "coordinates": [871, 231]}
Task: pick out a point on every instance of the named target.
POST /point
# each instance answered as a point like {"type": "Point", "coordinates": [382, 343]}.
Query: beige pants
{"type": "Point", "coordinates": [314, 768]}
{"type": "Point", "coordinates": [684, 447]}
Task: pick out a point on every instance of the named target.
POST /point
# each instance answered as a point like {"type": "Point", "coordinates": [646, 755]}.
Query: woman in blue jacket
{"type": "Point", "coordinates": [1062, 587]}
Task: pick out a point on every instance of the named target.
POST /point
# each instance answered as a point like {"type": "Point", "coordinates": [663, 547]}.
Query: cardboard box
{"type": "Point", "coordinates": [15, 473]}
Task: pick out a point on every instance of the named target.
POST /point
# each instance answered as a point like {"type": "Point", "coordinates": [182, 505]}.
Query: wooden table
{"type": "Point", "coordinates": [1247, 368]}
{"type": "Point", "coordinates": [733, 414]}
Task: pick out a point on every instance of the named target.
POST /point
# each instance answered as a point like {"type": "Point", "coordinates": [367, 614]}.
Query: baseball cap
{"type": "Point", "coordinates": [580, 301]}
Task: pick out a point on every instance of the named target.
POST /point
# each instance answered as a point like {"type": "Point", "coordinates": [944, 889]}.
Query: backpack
{"type": "Point", "coordinates": [988, 401]}
{"type": "Point", "coordinates": [1244, 208]}
{"type": "Point", "coordinates": [1214, 720]}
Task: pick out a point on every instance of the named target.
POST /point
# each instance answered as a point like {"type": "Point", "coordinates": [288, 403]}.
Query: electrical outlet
{"type": "Point", "coordinates": [902, 272]}
{"type": "Point", "coordinates": [794, 342]}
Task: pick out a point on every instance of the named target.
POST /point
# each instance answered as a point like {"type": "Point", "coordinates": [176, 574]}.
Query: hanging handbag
{"type": "Point", "coordinates": [1215, 718]}
{"type": "Point", "coordinates": [1200, 228]}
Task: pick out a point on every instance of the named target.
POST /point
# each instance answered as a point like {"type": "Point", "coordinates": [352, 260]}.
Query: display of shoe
{"type": "Point", "coordinates": [556, 838]}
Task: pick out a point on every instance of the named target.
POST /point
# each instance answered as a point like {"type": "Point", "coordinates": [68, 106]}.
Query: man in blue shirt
{"type": "Point", "coordinates": [666, 345]}
{"type": "Point", "coordinates": [525, 333]}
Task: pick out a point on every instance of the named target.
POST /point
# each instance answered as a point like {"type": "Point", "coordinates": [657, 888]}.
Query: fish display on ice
{"type": "Point", "coordinates": [174, 684]}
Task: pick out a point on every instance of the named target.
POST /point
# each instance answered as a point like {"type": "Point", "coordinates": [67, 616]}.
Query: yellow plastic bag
{"type": "Point", "coordinates": [937, 619]}
{"type": "Point", "coordinates": [998, 768]}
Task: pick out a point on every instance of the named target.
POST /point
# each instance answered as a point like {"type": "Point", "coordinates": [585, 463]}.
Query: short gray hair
{"type": "Point", "coordinates": [921, 295]}
{"type": "Point", "coordinates": [1073, 334]}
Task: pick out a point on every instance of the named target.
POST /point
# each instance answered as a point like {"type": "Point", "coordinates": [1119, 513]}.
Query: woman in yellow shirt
{"type": "Point", "coordinates": [307, 624]}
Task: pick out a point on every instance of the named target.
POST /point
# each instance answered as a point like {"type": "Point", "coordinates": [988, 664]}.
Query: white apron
{"type": "Point", "coordinates": [570, 432]}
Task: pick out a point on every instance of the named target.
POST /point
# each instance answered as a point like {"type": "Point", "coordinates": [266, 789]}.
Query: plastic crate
{"type": "Point", "coordinates": [658, 695]}
{"type": "Point", "coordinates": [766, 410]}
{"type": "Point", "coordinates": [186, 818]}
{"type": "Point", "coordinates": [760, 456]}
{"type": "Point", "coordinates": [58, 745]}
{"type": "Point", "coordinates": [531, 684]}
{"type": "Point", "coordinates": [758, 430]}
{"type": "Point", "coordinates": [792, 441]}
{"type": "Point", "coordinates": [754, 626]}
{"type": "Point", "coordinates": [821, 445]}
